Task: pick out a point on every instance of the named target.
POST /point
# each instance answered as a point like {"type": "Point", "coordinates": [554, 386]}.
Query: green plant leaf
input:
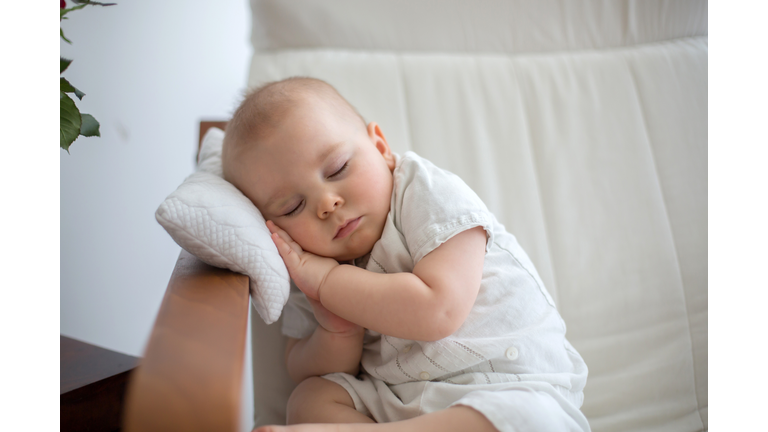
{"type": "Point", "coordinates": [69, 121]}
{"type": "Point", "coordinates": [89, 127]}
{"type": "Point", "coordinates": [66, 11]}
{"type": "Point", "coordinates": [66, 87]}
{"type": "Point", "coordinates": [87, 2]}
{"type": "Point", "coordinates": [63, 64]}
{"type": "Point", "coordinates": [64, 37]}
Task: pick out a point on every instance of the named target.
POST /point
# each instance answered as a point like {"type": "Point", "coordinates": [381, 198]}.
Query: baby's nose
{"type": "Point", "coordinates": [329, 205]}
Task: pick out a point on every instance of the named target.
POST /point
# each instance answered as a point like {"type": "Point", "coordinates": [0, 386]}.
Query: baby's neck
{"type": "Point", "coordinates": [361, 262]}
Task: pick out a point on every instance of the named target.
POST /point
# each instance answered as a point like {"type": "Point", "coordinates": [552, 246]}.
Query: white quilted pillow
{"type": "Point", "coordinates": [213, 220]}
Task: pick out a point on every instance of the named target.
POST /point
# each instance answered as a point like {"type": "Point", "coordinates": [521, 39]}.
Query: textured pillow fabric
{"type": "Point", "coordinates": [210, 218]}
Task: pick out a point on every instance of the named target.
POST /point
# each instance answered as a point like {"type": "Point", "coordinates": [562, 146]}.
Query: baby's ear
{"type": "Point", "coordinates": [378, 139]}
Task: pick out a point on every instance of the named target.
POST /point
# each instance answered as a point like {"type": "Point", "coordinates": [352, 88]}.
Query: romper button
{"type": "Point", "coordinates": [406, 349]}
{"type": "Point", "coordinates": [424, 376]}
{"type": "Point", "coordinates": [511, 353]}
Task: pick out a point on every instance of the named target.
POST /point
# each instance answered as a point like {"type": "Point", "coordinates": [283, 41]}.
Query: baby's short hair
{"type": "Point", "coordinates": [263, 108]}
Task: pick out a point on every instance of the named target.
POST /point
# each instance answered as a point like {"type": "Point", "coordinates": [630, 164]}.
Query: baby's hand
{"type": "Point", "coordinates": [307, 270]}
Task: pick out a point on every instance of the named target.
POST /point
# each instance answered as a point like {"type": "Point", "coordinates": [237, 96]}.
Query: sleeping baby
{"type": "Point", "coordinates": [417, 310]}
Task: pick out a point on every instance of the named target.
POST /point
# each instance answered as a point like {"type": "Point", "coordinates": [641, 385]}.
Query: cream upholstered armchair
{"type": "Point", "coordinates": [582, 125]}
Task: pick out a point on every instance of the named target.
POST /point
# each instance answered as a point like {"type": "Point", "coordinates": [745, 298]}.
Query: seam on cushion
{"type": "Point", "coordinates": [406, 111]}
{"type": "Point", "coordinates": [535, 166]}
{"type": "Point", "coordinates": [526, 53]}
{"type": "Point", "coordinates": [641, 107]}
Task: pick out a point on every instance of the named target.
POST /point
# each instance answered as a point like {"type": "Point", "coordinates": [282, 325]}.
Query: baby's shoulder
{"type": "Point", "coordinates": [412, 168]}
{"type": "Point", "coordinates": [411, 160]}
{"type": "Point", "coordinates": [428, 193]}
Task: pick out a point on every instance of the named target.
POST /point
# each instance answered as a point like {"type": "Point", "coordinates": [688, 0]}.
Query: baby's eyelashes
{"type": "Point", "coordinates": [295, 209]}
{"type": "Point", "coordinates": [339, 171]}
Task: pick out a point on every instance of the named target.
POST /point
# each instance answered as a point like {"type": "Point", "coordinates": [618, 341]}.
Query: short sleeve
{"type": "Point", "coordinates": [298, 318]}
{"type": "Point", "coordinates": [432, 205]}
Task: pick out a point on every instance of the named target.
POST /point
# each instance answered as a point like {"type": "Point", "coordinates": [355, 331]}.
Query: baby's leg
{"type": "Point", "coordinates": [317, 400]}
{"type": "Point", "coordinates": [456, 418]}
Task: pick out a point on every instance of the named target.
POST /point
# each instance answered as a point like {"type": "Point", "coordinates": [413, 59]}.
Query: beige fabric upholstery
{"type": "Point", "coordinates": [593, 152]}
{"type": "Point", "coordinates": [508, 26]}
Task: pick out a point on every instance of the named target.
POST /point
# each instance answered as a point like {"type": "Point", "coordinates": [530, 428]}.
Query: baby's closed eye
{"type": "Point", "coordinates": [339, 171]}
{"type": "Point", "coordinates": [295, 210]}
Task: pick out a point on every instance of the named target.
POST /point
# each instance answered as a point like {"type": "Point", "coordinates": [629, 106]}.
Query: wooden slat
{"type": "Point", "coordinates": [190, 376]}
{"type": "Point", "coordinates": [207, 124]}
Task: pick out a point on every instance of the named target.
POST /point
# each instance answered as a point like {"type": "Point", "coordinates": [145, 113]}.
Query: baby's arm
{"type": "Point", "coordinates": [335, 346]}
{"type": "Point", "coordinates": [429, 304]}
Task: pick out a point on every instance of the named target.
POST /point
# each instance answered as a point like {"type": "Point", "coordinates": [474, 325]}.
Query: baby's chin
{"type": "Point", "coordinates": [358, 245]}
{"type": "Point", "coordinates": [364, 245]}
{"type": "Point", "coordinates": [350, 258]}
{"type": "Point", "coordinates": [353, 254]}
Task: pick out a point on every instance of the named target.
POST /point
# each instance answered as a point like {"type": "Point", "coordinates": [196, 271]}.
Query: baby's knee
{"type": "Point", "coordinates": [313, 394]}
{"type": "Point", "coordinates": [305, 391]}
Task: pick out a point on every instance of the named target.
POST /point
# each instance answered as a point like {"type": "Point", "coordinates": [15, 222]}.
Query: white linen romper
{"type": "Point", "coordinates": [510, 359]}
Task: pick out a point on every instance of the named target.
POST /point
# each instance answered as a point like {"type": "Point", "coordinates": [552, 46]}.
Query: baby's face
{"type": "Point", "coordinates": [323, 178]}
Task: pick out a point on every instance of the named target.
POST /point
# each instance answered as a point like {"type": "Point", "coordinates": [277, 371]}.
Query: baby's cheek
{"type": "Point", "coordinates": [310, 241]}
{"type": "Point", "coordinates": [304, 239]}
{"type": "Point", "coordinates": [297, 232]}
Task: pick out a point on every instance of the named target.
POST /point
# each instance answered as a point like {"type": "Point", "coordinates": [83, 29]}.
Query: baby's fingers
{"type": "Point", "coordinates": [274, 229]}
{"type": "Point", "coordinates": [290, 255]}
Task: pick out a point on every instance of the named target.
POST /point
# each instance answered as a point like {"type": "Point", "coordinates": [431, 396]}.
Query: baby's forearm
{"type": "Point", "coordinates": [325, 352]}
{"type": "Point", "coordinates": [398, 304]}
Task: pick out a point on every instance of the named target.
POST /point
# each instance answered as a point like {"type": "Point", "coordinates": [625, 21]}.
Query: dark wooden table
{"type": "Point", "coordinates": [93, 382]}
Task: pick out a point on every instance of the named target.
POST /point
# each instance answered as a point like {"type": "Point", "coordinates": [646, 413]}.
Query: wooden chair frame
{"type": "Point", "coordinates": [190, 376]}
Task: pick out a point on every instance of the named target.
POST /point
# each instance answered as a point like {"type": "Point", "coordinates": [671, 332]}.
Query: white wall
{"type": "Point", "coordinates": [150, 70]}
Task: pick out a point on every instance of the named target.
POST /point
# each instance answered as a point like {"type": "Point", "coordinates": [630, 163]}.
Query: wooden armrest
{"type": "Point", "coordinates": [207, 124]}
{"type": "Point", "coordinates": [190, 376]}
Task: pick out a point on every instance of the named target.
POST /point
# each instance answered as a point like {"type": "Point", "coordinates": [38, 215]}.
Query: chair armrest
{"type": "Point", "coordinates": [207, 124]}
{"type": "Point", "coordinates": [190, 376]}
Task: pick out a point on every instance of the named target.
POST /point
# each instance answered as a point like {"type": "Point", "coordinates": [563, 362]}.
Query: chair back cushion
{"type": "Point", "coordinates": [583, 127]}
